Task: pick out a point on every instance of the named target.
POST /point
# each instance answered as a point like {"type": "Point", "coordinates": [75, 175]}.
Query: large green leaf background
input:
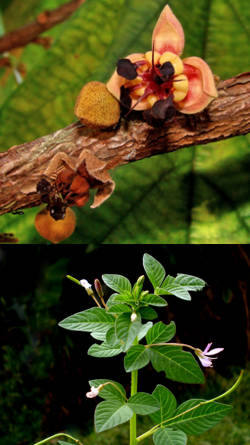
{"type": "Point", "coordinates": [196, 195]}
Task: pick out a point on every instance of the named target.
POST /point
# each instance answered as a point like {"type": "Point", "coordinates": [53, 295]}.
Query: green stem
{"type": "Point", "coordinates": [134, 384]}
{"type": "Point", "coordinates": [58, 435]}
{"type": "Point", "coordinates": [156, 427]}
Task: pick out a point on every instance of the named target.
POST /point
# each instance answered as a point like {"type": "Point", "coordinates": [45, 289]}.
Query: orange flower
{"type": "Point", "coordinates": [159, 80]}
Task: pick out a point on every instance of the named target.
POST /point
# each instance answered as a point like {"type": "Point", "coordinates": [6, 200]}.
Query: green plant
{"type": "Point", "coordinates": [118, 324]}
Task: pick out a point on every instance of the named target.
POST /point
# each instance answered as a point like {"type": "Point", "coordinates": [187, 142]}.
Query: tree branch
{"type": "Point", "coordinates": [44, 21]}
{"type": "Point", "coordinates": [21, 167]}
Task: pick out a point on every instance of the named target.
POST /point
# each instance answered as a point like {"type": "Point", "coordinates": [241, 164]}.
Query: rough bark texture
{"type": "Point", "coordinates": [43, 22]}
{"type": "Point", "coordinates": [21, 167]}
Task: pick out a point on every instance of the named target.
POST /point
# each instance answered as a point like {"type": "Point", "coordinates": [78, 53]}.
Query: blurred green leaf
{"type": "Point", "coordinates": [196, 195]}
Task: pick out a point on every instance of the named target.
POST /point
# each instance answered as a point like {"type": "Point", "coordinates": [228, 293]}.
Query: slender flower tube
{"type": "Point", "coordinates": [205, 356]}
{"type": "Point", "coordinates": [159, 81]}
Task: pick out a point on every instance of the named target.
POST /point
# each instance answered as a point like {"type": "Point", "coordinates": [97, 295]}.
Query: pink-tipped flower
{"type": "Point", "coordinates": [205, 356]}
{"type": "Point", "coordinates": [92, 393]}
{"type": "Point", "coordinates": [159, 81]}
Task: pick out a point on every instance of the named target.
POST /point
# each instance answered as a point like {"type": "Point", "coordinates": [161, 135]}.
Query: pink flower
{"type": "Point", "coordinates": [159, 81]}
{"type": "Point", "coordinates": [93, 392]}
{"type": "Point", "coordinates": [204, 356]}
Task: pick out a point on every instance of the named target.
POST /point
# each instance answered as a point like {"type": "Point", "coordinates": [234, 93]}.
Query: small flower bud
{"type": "Point", "coordinates": [92, 393]}
{"type": "Point", "coordinates": [98, 288]}
{"type": "Point", "coordinates": [133, 317]}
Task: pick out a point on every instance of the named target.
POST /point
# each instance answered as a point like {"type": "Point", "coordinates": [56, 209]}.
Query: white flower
{"type": "Point", "coordinates": [133, 317]}
{"type": "Point", "coordinates": [85, 284]}
{"type": "Point", "coordinates": [93, 392]}
{"type": "Point", "coordinates": [203, 355]}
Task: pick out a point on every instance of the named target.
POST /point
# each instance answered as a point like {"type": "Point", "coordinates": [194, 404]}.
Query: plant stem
{"type": "Point", "coordinates": [134, 382]}
{"type": "Point", "coordinates": [58, 435]}
{"type": "Point", "coordinates": [170, 420]}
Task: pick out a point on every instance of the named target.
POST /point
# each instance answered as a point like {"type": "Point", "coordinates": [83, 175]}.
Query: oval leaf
{"type": "Point", "coordinates": [178, 365]}
{"type": "Point", "coordinates": [167, 404]}
{"type": "Point", "coordinates": [136, 358]}
{"type": "Point", "coordinates": [110, 414]}
{"type": "Point", "coordinates": [118, 283]}
{"type": "Point", "coordinates": [199, 419]}
{"type": "Point", "coordinates": [166, 436]}
{"type": "Point", "coordinates": [143, 403]}
{"type": "Point", "coordinates": [113, 391]}
{"type": "Point", "coordinates": [154, 270]}
{"type": "Point", "coordinates": [161, 332]}
{"type": "Point", "coordinates": [94, 319]}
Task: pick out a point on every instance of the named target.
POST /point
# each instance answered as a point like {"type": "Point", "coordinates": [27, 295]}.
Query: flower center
{"type": "Point", "coordinates": [155, 77]}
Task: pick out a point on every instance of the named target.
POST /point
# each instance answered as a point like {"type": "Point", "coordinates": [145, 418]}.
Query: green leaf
{"type": "Point", "coordinates": [110, 414]}
{"type": "Point", "coordinates": [167, 404]}
{"type": "Point", "coordinates": [136, 358]}
{"type": "Point", "coordinates": [154, 270]}
{"type": "Point", "coordinates": [113, 391]}
{"type": "Point", "coordinates": [144, 329]}
{"type": "Point", "coordinates": [143, 403]}
{"type": "Point", "coordinates": [153, 300]}
{"type": "Point", "coordinates": [99, 335]}
{"type": "Point", "coordinates": [127, 330]}
{"type": "Point", "coordinates": [119, 298]}
{"type": "Point", "coordinates": [199, 419]}
{"type": "Point", "coordinates": [166, 436]}
{"type": "Point", "coordinates": [94, 319]}
{"type": "Point", "coordinates": [190, 282]}
{"type": "Point", "coordinates": [104, 350]}
{"type": "Point", "coordinates": [111, 338]}
{"type": "Point", "coordinates": [148, 313]}
{"type": "Point", "coordinates": [161, 333]}
{"type": "Point", "coordinates": [176, 290]}
{"type": "Point", "coordinates": [119, 309]}
{"type": "Point", "coordinates": [118, 283]}
{"type": "Point", "coordinates": [178, 365]}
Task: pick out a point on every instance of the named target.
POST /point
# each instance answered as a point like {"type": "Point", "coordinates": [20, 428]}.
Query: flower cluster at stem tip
{"type": "Point", "coordinates": [159, 82]}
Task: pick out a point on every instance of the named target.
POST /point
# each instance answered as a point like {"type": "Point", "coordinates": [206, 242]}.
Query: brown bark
{"type": "Point", "coordinates": [21, 167]}
{"type": "Point", "coordinates": [43, 22]}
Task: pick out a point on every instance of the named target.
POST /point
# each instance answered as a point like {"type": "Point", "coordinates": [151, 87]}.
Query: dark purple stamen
{"type": "Point", "coordinates": [163, 109]}
{"type": "Point", "coordinates": [125, 98]}
{"type": "Point", "coordinates": [166, 71]}
{"type": "Point", "coordinates": [127, 69]}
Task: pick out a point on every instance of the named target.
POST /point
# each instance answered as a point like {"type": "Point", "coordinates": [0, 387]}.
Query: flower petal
{"type": "Point", "coordinates": [202, 88]}
{"type": "Point", "coordinates": [207, 348]}
{"type": "Point", "coordinates": [214, 351]}
{"type": "Point", "coordinates": [116, 82]}
{"type": "Point", "coordinates": [206, 362]}
{"type": "Point", "coordinates": [168, 34]}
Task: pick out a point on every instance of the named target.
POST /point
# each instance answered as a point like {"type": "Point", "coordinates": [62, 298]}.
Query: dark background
{"type": "Point", "coordinates": [45, 369]}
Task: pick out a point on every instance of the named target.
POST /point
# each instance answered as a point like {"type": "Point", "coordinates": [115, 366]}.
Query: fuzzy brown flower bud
{"type": "Point", "coordinates": [96, 107]}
